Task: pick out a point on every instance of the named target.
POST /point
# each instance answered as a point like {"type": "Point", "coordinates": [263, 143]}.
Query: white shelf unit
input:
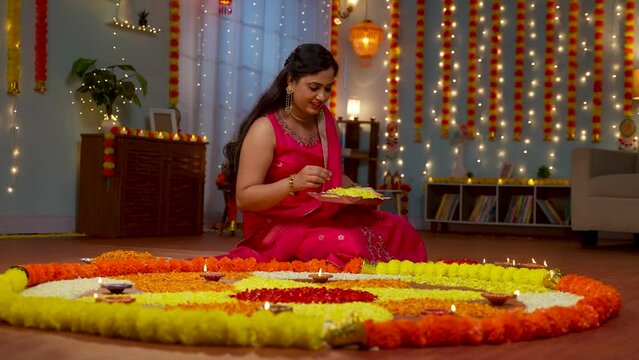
{"type": "Point", "coordinates": [469, 195]}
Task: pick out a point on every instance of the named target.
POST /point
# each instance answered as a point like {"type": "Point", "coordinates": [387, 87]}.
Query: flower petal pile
{"type": "Point", "coordinates": [386, 305]}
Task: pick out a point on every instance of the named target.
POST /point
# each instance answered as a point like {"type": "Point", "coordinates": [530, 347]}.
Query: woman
{"type": "Point", "coordinates": [289, 145]}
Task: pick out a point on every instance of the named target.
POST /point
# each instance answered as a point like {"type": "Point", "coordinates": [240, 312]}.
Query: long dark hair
{"type": "Point", "coordinates": [306, 59]}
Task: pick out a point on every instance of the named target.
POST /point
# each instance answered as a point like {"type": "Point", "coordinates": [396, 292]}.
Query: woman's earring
{"type": "Point", "coordinates": [289, 99]}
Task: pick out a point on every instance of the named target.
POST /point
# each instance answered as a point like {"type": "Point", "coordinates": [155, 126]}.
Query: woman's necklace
{"type": "Point", "coordinates": [301, 140]}
{"type": "Point", "coordinates": [289, 111]}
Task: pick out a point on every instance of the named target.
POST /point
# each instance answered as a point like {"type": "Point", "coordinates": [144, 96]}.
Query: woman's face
{"type": "Point", "coordinates": [310, 92]}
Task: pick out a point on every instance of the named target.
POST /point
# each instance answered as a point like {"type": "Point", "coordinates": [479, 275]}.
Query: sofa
{"type": "Point", "coordinates": [604, 187]}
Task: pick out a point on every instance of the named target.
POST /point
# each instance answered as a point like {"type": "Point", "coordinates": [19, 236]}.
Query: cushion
{"type": "Point", "coordinates": [605, 162]}
{"type": "Point", "coordinates": [618, 185]}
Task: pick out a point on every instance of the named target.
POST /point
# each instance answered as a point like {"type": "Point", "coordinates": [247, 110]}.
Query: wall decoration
{"type": "Point", "coordinates": [549, 68]}
{"type": "Point", "coordinates": [419, 70]}
{"type": "Point", "coordinates": [13, 47]}
{"type": "Point", "coordinates": [40, 47]}
{"type": "Point", "coordinates": [628, 59]}
{"type": "Point", "coordinates": [334, 46]}
{"type": "Point", "coordinates": [495, 70]}
{"type": "Point", "coordinates": [597, 70]}
{"type": "Point", "coordinates": [174, 53]}
{"type": "Point", "coordinates": [446, 67]}
{"type": "Point", "coordinates": [520, 48]}
{"type": "Point", "coordinates": [473, 24]}
{"type": "Point", "coordinates": [573, 65]}
{"type": "Point", "coordinates": [393, 61]}
{"type": "Point", "coordinates": [627, 134]}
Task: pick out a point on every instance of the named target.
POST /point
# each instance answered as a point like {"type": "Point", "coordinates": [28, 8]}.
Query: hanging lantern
{"type": "Point", "coordinates": [365, 37]}
{"type": "Point", "coordinates": [225, 7]}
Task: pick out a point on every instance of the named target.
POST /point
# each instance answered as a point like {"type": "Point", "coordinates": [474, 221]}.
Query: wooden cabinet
{"type": "Point", "coordinates": [157, 190]}
{"type": "Point", "coordinates": [514, 205]}
{"type": "Point", "coordinates": [357, 150]}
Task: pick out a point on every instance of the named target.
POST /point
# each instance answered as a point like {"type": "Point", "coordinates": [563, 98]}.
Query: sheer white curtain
{"type": "Point", "coordinates": [227, 61]}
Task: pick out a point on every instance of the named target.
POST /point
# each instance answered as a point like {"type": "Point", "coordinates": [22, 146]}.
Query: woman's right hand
{"type": "Point", "coordinates": [311, 176]}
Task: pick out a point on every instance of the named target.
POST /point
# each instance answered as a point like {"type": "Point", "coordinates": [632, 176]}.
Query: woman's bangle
{"type": "Point", "coordinates": [291, 186]}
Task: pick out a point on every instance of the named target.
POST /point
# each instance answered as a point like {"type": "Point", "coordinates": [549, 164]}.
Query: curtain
{"type": "Point", "coordinates": [227, 61]}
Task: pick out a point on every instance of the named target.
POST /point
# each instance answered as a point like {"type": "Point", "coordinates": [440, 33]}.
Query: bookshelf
{"type": "Point", "coordinates": [497, 204]}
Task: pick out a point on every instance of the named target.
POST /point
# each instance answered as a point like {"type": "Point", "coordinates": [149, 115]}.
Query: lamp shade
{"type": "Point", "coordinates": [353, 107]}
{"type": "Point", "coordinates": [635, 84]}
{"type": "Point", "coordinates": [365, 37]}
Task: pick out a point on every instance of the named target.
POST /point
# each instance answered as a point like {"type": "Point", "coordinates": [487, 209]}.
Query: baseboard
{"type": "Point", "coordinates": [37, 224]}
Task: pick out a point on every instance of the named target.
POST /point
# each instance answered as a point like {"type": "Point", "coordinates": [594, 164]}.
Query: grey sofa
{"type": "Point", "coordinates": [604, 186]}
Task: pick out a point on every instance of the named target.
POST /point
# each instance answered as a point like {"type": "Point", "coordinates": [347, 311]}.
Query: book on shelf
{"type": "Point", "coordinates": [483, 210]}
{"type": "Point", "coordinates": [447, 207]}
{"type": "Point", "coordinates": [549, 210]}
{"type": "Point", "coordinates": [520, 209]}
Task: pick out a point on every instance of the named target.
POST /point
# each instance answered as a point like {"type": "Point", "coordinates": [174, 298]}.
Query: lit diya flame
{"type": "Point", "coordinates": [453, 309]}
{"type": "Point", "coordinates": [267, 305]}
{"type": "Point", "coordinates": [517, 293]}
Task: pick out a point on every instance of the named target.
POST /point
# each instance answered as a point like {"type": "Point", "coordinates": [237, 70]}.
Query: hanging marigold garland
{"type": "Point", "coordinates": [446, 67]}
{"type": "Point", "coordinates": [520, 48]}
{"type": "Point", "coordinates": [334, 45]}
{"type": "Point", "coordinates": [597, 70]}
{"type": "Point", "coordinates": [13, 47]}
{"type": "Point", "coordinates": [629, 40]}
{"type": "Point", "coordinates": [174, 53]}
{"type": "Point", "coordinates": [549, 68]}
{"type": "Point", "coordinates": [473, 24]}
{"type": "Point", "coordinates": [394, 61]}
{"type": "Point", "coordinates": [40, 46]}
{"type": "Point", "coordinates": [571, 93]}
{"type": "Point", "coordinates": [419, 70]}
{"type": "Point", "coordinates": [495, 55]}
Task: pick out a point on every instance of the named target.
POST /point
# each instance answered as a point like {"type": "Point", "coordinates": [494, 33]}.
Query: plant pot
{"type": "Point", "coordinates": [107, 125]}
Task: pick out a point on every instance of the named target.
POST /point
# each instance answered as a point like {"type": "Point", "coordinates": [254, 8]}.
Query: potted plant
{"type": "Point", "coordinates": [142, 18]}
{"type": "Point", "coordinates": [108, 84]}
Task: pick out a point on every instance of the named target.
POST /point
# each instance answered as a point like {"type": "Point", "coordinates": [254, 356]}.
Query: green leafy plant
{"type": "Point", "coordinates": [108, 84]}
{"type": "Point", "coordinates": [543, 172]}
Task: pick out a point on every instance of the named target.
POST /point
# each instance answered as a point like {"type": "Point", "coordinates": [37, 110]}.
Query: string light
{"type": "Point", "coordinates": [14, 167]}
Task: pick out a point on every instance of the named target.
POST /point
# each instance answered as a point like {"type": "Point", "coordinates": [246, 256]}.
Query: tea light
{"type": "Point", "coordinates": [497, 299]}
{"type": "Point", "coordinates": [123, 299]}
{"type": "Point", "coordinates": [319, 277]}
{"type": "Point", "coordinates": [123, 131]}
{"type": "Point", "coordinates": [211, 276]}
{"type": "Point", "coordinates": [276, 308]}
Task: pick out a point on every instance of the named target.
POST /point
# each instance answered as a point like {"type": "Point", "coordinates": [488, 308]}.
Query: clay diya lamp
{"type": "Point", "coordinates": [531, 266]}
{"type": "Point", "coordinates": [319, 277]}
{"type": "Point", "coordinates": [116, 288]}
{"type": "Point", "coordinates": [438, 312]}
{"type": "Point", "coordinates": [112, 299]}
{"type": "Point", "coordinates": [212, 276]}
{"type": "Point", "coordinates": [276, 308]}
{"type": "Point", "coordinates": [497, 299]}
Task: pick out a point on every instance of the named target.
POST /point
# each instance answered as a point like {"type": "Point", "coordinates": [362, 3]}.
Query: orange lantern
{"type": "Point", "coordinates": [365, 37]}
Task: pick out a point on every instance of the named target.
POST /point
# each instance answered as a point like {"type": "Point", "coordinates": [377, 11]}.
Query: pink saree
{"type": "Point", "coordinates": [303, 228]}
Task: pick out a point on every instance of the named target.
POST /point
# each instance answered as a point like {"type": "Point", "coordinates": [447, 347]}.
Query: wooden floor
{"type": "Point", "coordinates": [614, 262]}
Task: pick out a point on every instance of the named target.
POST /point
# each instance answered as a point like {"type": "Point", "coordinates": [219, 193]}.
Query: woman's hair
{"type": "Point", "coordinates": [306, 59]}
